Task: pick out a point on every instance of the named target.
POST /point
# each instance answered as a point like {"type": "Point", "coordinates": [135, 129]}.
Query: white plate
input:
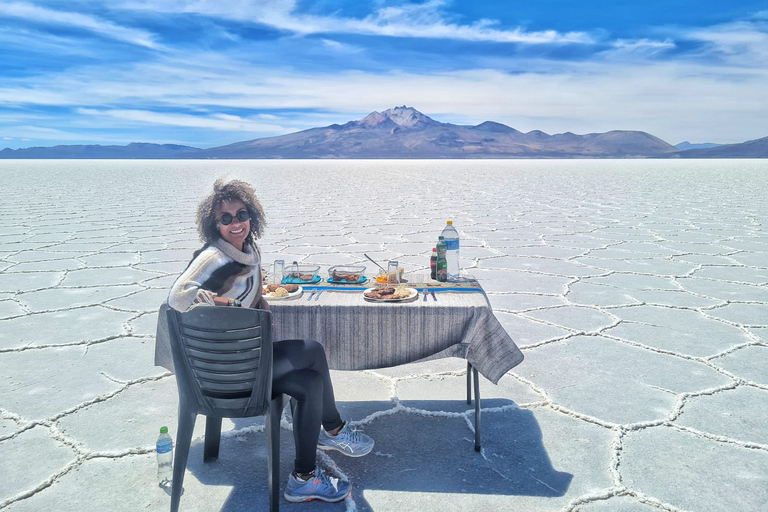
{"type": "Point", "coordinates": [298, 292]}
{"type": "Point", "coordinates": [414, 294]}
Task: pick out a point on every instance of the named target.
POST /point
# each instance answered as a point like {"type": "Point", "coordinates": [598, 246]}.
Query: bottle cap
{"type": "Point", "coordinates": [434, 249]}
{"type": "Point", "coordinates": [450, 222]}
{"type": "Point", "coordinates": [441, 237]}
{"type": "Point", "coordinates": [163, 430]}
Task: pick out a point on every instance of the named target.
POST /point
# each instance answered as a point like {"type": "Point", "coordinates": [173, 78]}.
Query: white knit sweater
{"type": "Point", "coordinates": [219, 270]}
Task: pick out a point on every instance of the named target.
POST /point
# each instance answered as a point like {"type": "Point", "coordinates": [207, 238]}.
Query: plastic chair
{"type": "Point", "coordinates": [223, 363]}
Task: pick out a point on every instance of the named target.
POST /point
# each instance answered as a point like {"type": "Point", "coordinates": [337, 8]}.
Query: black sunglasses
{"type": "Point", "coordinates": [227, 218]}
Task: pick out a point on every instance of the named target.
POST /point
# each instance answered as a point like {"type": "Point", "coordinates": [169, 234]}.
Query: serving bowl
{"type": "Point", "coordinates": [346, 273]}
{"type": "Point", "coordinates": [301, 273]}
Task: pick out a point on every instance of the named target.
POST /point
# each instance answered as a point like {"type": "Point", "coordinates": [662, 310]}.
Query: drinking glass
{"type": "Point", "coordinates": [277, 271]}
{"type": "Point", "coordinates": [393, 274]}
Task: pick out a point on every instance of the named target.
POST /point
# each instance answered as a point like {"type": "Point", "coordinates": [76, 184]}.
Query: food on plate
{"type": "Point", "coordinates": [402, 292]}
{"type": "Point", "coordinates": [280, 292]}
{"type": "Point", "coordinates": [271, 288]}
{"type": "Point", "coordinates": [390, 293]}
{"type": "Point", "coordinates": [381, 293]}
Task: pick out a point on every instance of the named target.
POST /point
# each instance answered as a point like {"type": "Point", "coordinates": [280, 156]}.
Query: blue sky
{"type": "Point", "coordinates": [211, 72]}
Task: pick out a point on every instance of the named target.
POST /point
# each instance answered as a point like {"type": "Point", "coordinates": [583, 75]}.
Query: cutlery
{"type": "Point", "coordinates": [317, 296]}
{"type": "Point", "coordinates": [374, 262]}
{"type": "Point", "coordinates": [432, 292]}
{"type": "Point", "coordinates": [310, 295]}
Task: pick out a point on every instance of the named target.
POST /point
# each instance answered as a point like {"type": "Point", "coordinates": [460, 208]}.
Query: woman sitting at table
{"type": "Point", "coordinates": [226, 271]}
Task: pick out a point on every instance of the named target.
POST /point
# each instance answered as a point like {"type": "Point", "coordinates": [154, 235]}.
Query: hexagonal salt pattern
{"type": "Point", "coordinates": [71, 326]}
{"type": "Point", "coordinates": [735, 413]}
{"type": "Point", "coordinates": [37, 444]}
{"type": "Point", "coordinates": [748, 363]}
{"type": "Point", "coordinates": [638, 291]}
{"type": "Point", "coordinates": [616, 504]}
{"type": "Point", "coordinates": [683, 331]}
{"type": "Point", "coordinates": [637, 386]}
{"type": "Point", "coordinates": [706, 474]}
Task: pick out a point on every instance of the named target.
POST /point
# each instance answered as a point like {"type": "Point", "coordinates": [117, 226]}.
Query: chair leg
{"type": "Point", "coordinates": [469, 383]}
{"type": "Point", "coordinates": [272, 424]}
{"type": "Point", "coordinates": [212, 438]}
{"type": "Point", "coordinates": [476, 378]}
{"type": "Point", "coordinates": [183, 440]}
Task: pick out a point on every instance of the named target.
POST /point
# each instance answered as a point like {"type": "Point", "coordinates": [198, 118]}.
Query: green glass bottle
{"type": "Point", "coordinates": [442, 263]}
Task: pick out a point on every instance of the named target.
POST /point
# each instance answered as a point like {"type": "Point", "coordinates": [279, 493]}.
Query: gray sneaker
{"type": "Point", "coordinates": [319, 487]}
{"type": "Point", "coordinates": [349, 441]}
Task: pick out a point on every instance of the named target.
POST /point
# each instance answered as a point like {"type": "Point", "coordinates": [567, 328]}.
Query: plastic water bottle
{"type": "Point", "coordinates": [451, 238]}
{"type": "Point", "coordinates": [164, 458]}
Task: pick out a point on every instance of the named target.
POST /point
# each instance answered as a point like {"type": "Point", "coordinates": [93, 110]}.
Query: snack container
{"type": "Point", "coordinates": [300, 273]}
{"type": "Point", "coordinates": [385, 278]}
{"type": "Point", "coordinates": [346, 273]}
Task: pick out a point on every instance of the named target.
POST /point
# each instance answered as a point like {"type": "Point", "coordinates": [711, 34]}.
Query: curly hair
{"type": "Point", "coordinates": [233, 190]}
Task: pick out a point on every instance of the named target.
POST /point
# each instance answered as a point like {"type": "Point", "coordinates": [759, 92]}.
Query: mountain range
{"type": "Point", "coordinates": [404, 132]}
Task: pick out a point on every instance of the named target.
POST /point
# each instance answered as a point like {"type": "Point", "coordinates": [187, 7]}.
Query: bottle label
{"type": "Point", "coordinates": [164, 448]}
{"type": "Point", "coordinates": [452, 245]}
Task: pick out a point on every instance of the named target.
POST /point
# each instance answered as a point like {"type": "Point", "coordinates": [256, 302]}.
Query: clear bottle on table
{"type": "Point", "coordinates": [441, 265]}
{"type": "Point", "coordinates": [393, 273]}
{"type": "Point", "coordinates": [164, 448]}
{"type": "Point", "coordinates": [451, 237]}
{"type": "Point", "coordinates": [278, 269]}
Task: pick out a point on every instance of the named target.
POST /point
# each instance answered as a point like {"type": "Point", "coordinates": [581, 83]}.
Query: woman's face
{"type": "Point", "coordinates": [236, 231]}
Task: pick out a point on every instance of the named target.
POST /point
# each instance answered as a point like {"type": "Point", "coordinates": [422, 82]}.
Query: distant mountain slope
{"type": "Point", "coordinates": [132, 150]}
{"type": "Point", "coordinates": [404, 132]}
{"type": "Point", "coordinates": [685, 145]}
{"type": "Point", "coordinates": [757, 148]}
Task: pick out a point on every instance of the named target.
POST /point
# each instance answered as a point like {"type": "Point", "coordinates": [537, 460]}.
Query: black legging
{"type": "Point", "coordinates": [300, 370]}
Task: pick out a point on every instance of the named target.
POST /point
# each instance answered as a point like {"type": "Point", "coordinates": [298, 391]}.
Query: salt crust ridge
{"type": "Point", "coordinates": [750, 229]}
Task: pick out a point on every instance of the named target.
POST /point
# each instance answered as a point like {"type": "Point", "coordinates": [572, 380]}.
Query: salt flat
{"type": "Point", "coordinates": [638, 291]}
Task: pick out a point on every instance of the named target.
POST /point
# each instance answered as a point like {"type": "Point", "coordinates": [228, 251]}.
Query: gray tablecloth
{"type": "Point", "coordinates": [360, 335]}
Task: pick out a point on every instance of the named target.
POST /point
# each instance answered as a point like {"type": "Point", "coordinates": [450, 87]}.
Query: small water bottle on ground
{"type": "Point", "coordinates": [451, 239]}
{"type": "Point", "coordinates": [164, 459]}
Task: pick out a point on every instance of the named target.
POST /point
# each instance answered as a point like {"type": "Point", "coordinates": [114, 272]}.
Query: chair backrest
{"type": "Point", "coordinates": [223, 359]}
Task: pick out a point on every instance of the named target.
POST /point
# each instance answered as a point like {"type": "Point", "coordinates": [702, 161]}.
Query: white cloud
{"type": "Point", "coordinates": [673, 100]}
{"type": "Point", "coordinates": [28, 133]}
{"type": "Point", "coordinates": [425, 20]}
{"type": "Point", "coordinates": [23, 40]}
{"type": "Point", "coordinates": [339, 47]}
{"type": "Point", "coordinates": [215, 122]}
{"type": "Point", "coordinates": [634, 44]}
{"type": "Point", "coordinates": [102, 27]}
{"type": "Point", "coordinates": [625, 87]}
{"type": "Point", "coordinates": [742, 43]}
